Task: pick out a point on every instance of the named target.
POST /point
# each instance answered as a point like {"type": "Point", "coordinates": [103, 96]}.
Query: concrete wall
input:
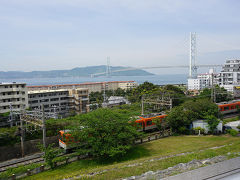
{"type": "Point", "coordinates": [211, 172]}
{"type": "Point", "coordinates": [30, 147]}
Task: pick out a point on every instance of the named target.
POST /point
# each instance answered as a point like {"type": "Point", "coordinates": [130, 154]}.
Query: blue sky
{"type": "Point", "coordinates": [63, 34]}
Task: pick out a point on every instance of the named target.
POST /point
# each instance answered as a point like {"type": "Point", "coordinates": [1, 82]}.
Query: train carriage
{"type": "Point", "coordinates": [145, 123]}
{"type": "Point", "coordinates": [229, 107]}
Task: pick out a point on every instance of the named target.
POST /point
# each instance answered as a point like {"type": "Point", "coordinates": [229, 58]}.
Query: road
{"type": "Point", "coordinates": [232, 177]}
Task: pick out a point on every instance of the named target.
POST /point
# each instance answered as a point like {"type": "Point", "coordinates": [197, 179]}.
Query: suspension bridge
{"type": "Point", "coordinates": [192, 63]}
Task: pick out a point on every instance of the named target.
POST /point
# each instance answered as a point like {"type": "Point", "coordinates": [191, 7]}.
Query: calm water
{"type": "Point", "coordinates": [156, 79]}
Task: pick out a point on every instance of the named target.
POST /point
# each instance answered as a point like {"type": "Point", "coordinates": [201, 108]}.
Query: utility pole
{"type": "Point", "coordinates": [104, 92]}
{"type": "Point", "coordinates": [43, 127]}
{"type": "Point", "coordinates": [11, 114]}
{"type": "Point", "coordinates": [22, 135]}
{"type": "Point", "coordinates": [213, 93]}
{"type": "Point", "coordinates": [171, 105]}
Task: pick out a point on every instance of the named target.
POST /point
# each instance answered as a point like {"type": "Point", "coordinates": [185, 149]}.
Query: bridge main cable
{"type": "Point", "coordinates": [159, 67]}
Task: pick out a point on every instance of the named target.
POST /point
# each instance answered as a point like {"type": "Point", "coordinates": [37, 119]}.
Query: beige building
{"type": "Point", "coordinates": [79, 100]}
{"type": "Point", "coordinates": [13, 96]}
{"type": "Point", "coordinates": [91, 86]}
{"type": "Point", "coordinates": [62, 101]}
{"type": "Point", "coordinates": [127, 85]}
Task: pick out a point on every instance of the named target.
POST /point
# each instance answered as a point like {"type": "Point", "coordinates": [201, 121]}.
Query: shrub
{"type": "Point", "coordinates": [183, 130]}
{"type": "Point", "coordinates": [238, 127]}
{"type": "Point", "coordinates": [196, 130]}
{"type": "Point", "coordinates": [49, 154]}
{"type": "Point", "coordinates": [233, 132]}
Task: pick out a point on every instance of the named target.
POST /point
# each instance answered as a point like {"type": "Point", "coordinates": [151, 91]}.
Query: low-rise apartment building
{"type": "Point", "coordinates": [91, 86]}
{"type": "Point", "coordinates": [62, 101]}
{"type": "Point", "coordinates": [13, 96]}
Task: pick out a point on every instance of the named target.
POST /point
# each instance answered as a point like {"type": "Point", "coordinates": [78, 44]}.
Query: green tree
{"type": "Point", "coordinates": [212, 122]}
{"type": "Point", "coordinates": [180, 118]}
{"type": "Point", "coordinates": [221, 94]}
{"type": "Point", "coordinates": [145, 88]}
{"type": "Point", "coordinates": [161, 123]}
{"type": "Point", "coordinates": [105, 133]}
{"type": "Point", "coordinates": [201, 107]}
{"type": "Point", "coordinates": [176, 94]}
{"type": "Point", "coordinates": [49, 154]}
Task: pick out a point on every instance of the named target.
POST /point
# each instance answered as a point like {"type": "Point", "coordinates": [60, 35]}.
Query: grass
{"type": "Point", "coordinates": [227, 120]}
{"type": "Point", "coordinates": [143, 153]}
{"type": "Point", "coordinates": [19, 170]}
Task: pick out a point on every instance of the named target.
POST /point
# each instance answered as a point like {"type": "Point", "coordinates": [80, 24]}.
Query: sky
{"type": "Point", "coordinates": [64, 34]}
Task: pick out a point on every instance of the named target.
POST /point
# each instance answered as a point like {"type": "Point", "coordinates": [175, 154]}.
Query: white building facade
{"type": "Point", "coordinates": [203, 81]}
{"type": "Point", "coordinates": [229, 77]}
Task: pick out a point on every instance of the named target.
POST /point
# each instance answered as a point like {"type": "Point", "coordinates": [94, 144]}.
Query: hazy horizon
{"type": "Point", "coordinates": [64, 34]}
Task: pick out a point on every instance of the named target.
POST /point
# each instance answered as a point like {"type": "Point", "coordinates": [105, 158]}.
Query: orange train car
{"type": "Point", "coordinates": [66, 141]}
{"type": "Point", "coordinates": [145, 123]}
{"type": "Point", "coordinates": [229, 107]}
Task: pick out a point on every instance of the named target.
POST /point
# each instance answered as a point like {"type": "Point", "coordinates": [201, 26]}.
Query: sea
{"type": "Point", "coordinates": [155, 79]}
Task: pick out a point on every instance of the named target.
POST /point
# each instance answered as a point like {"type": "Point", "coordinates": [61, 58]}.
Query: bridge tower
{"type": "Point", "coordinates": [108, 68]}
{"type": "Point", "coordinates": [193, 54]}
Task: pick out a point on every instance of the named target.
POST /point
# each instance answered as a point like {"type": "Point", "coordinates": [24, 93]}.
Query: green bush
{"type": "Point", "coordinates": [183, 130]}
{"type": "Point", "coordinates": [233, 132]}
{"type": "Point", "coordinates": [196, 130]}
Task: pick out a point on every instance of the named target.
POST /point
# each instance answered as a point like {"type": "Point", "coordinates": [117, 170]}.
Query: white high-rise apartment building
{"type": "Point", "coordinates": [203, 81]}
{"type": "Point", "coordinates": [13, 96]}
{"type": "Point", "coordinates": [230, 75]}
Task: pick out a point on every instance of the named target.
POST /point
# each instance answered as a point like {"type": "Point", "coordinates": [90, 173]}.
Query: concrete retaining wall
{"type": "Point", "coordinates": [30, 147]}
{"type": "Point", "coordinates": [210, 172]}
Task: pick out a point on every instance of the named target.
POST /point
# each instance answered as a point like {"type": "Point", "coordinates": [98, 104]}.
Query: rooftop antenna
{"type": "Point", "coordinates": [193, 53]}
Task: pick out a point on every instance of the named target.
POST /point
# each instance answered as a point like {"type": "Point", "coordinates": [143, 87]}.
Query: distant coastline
{"type": "Point", "coordinates": [156, 79]}
{"type": "Point", "coordinates": [76, 72]}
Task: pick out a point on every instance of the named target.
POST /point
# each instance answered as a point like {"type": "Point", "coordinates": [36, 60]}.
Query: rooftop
{"type": "Point", "coordinates": [87, 83]}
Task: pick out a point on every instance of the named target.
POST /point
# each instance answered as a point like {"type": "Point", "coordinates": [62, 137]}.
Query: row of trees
{"type": "Point", "coordinates": [181, 117]}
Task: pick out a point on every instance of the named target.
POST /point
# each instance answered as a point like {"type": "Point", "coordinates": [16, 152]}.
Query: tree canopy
{"type": "Point", "coordinates": [180, 117]}
{"type": "Point", "coordinates": [105, 133]}
{"type": "Point", "coordinates": [221, 94]}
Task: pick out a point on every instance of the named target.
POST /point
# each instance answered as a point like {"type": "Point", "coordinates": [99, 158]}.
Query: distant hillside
{"type": "Point", "coordinates": [76, 72]}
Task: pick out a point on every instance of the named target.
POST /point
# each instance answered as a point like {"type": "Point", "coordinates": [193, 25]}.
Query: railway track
{"type": "Point", "coordinates": [36, 158]}
{"type": "Point", "coordinates": [230, 115]}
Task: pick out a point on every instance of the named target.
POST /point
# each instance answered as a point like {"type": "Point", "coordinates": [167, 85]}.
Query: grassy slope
{"type": "Point", "coordinates": [142, 153]}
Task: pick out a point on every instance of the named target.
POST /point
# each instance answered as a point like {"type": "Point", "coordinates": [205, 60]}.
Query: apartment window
{"type": "Point", "coordinates": [9, 93]}
{"type": "Point", "coordinates": [54, 99]}
{"type": "Point", "coordinates": [11, 86]}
